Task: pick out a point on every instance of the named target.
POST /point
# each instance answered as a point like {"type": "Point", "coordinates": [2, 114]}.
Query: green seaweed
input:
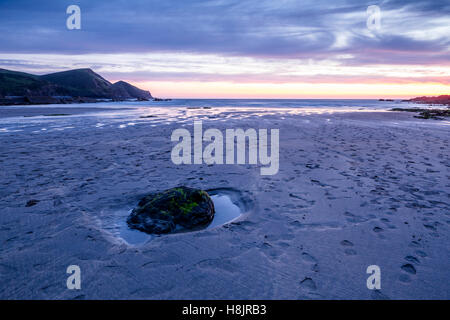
{"type": "Point", "coordinates": [187, 208]}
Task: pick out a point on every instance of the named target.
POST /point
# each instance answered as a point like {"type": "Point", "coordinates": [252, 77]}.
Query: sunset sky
{"type": "Point", "coordinates": [238, 48]}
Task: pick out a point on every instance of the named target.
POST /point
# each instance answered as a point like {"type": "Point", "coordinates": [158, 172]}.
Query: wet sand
{"type": "Point", "coordinates": [34, 111]}
{"type": "Point", "coordinates": [354, 189]}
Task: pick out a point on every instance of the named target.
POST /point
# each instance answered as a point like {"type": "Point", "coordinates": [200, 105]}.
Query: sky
{"type": "Point", "coordinates": [239, 48]}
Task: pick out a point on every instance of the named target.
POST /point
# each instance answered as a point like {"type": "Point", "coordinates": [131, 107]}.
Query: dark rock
{"type": "Point", "coordinates": [172, 210]}
{"type": "Point", "coordinates": [41, 100]}
{"type": "Point", "coordinates": [436, 114]}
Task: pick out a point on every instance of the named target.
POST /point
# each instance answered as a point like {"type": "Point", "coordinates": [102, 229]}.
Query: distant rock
{"type": "Point", "coordinates": [443, 99]}
{"type": "Point", "coordinates": [172, 210]}
{"type": "Point", "coordinates": [437, 114]}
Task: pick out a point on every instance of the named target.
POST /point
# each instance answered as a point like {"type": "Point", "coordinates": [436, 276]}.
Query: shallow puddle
{"type": "Point", "coordinates": [115, 224]}
{"type": "Point", "coordinates": [227, 209]}
{"type": "Point", "coordinates": [132, 236]}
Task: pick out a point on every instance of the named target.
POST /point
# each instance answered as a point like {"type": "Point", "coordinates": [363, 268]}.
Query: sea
{"type": "Point", "coordinates": [59, 117]}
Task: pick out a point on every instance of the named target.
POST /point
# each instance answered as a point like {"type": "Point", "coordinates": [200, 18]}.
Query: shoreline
{"type": "Point", "coordinates": [46, 100]}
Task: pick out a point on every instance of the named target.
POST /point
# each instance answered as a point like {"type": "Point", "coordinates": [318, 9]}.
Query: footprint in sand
{"type": "Point", "coordinates": [350, 252]}
{"type": "Point", "coordinates": [377, 229]}
{"type": "Point", "coordinates": [429, 227]}
{"type": "Point", "coordinates": [404, 278]}
{"type": "Point", "coordinates": [409, 268]}
{"type": "Point", "coordinates": [270, 251]}
{"type": "Point", "coordinates": [420, 253]}
{"type": "Point", "coordinates": [308, 258]}
{"type": "Point", "coordinates": [387, 223]}
{"type": "Point", "coordinates": [308, 284]}
{"type": "Point", "coordinates": [346, 243]}
{"type": "Point", "coordinates": [412, 259]}
{"type": "Point", "coordinates": [353, 218]}
{"type": "Point", "coordinates": [415, 244]}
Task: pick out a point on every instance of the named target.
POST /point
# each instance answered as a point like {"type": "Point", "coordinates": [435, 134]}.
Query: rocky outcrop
{"type": "Point", "coordinates": [124, 90]}
{"type": "Point", "coordinates": [176, 209]}
{"type": "Point", "coordinates": [63, 87]}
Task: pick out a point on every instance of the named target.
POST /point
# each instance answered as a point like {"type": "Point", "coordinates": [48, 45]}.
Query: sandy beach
{"type": "Point", "coordinates": [354, 188]}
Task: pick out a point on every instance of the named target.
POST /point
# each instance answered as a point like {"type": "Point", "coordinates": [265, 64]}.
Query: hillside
{"type": "Point", "coordinates": [14, 83]}
{"type": "Point", "coordinates": [125, 90]}
{"type": "Point", "coordinates": [83, 83]}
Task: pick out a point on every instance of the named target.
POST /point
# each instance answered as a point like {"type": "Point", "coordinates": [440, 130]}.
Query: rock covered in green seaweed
{"type": "Point", "coordinates": [171, 210]}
